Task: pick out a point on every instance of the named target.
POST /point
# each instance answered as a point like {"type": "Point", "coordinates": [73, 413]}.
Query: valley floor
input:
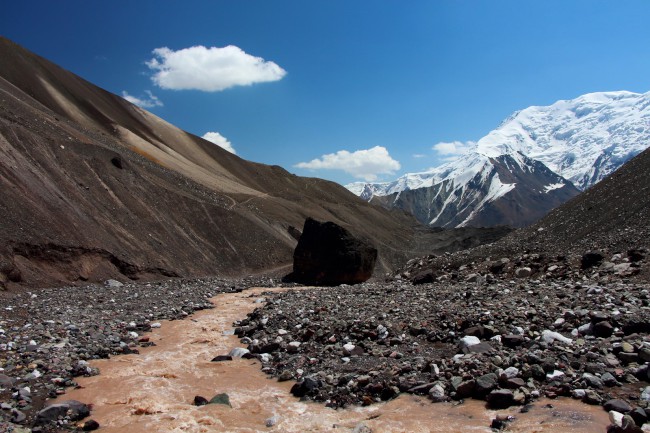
{"type": "Point", "coordinates": [510, 341]}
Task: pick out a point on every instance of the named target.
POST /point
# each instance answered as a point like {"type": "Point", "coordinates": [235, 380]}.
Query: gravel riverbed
{"type": "Point", "coordinates": [506, 331]}
{"type": "Point", "coordinates": [47, 336]}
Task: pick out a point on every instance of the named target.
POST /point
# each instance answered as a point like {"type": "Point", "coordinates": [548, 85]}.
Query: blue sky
{"type": "Point", "coordinates": [342, 89]}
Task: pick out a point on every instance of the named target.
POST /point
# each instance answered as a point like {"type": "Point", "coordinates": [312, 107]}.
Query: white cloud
{"type": "Point", "coordinates": [364, 164]}
{"type": "Point", "coordinates": [220, 141]}
{"type": "Point", "coordinates": [210, 69]}
{"type": "Point", "coordinates": [452, 150]}
{"type": "Point", "coordinates": [149, 101]}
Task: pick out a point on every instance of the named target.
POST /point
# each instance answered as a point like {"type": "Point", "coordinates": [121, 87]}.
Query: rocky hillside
{"type": "Point", "coordinates": [93, 187]}
{"type": "Point", "coordinates": [610, 220]}
{"type": "Point", "coordinates": [551, 153]}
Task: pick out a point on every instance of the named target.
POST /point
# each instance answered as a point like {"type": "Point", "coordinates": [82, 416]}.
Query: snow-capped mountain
{"type": "Point", "coordinates": [582, 140]}
{"type": "Point", "coordinates": [530, 164]}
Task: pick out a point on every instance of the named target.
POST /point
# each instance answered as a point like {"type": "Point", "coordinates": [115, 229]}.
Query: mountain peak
{"type": "Point", "coordinates": [580, 141]}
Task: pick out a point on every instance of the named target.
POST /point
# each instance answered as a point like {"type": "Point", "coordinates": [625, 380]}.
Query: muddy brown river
{"type": "Point", "coordinates": [154, 391]}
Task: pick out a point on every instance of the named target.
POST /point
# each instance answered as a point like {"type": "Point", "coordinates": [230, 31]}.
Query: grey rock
{"type": "Point", "coordinates": [485, 384]}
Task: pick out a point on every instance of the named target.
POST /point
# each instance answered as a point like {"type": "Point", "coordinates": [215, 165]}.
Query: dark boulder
{"type": "Point", "coordinates": [328, 255]}
{"type": "Point", "coordinates": [308, 386]}
{"type": "Point", "coordinates": [618, 405]}
{"type": "Point", "coordinates": [591, 259]}
{"type": "Point", "coordinates": [71, 409]}
{"type": "Point", "coordinates": [424, 277]}
{"type": "Point", "coordinates": [500, 399]}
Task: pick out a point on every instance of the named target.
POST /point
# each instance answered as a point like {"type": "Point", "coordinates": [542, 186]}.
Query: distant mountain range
{"type": "Point", "coordinates": [535, 160]}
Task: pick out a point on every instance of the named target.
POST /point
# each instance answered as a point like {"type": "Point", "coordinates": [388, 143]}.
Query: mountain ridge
{"type": "Point", "coordinates": [581, 141]}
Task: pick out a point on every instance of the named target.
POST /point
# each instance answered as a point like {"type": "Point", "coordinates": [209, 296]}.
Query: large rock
{"type": "Point", "coordinates": [328, 255]}
{"type": "Point", "coordinates": [71, 409]}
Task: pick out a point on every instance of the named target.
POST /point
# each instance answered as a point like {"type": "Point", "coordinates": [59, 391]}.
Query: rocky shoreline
{"type": "Point", "coordinates": [506, 331]}
{"type": "Point", "coordinates": [47, 337]}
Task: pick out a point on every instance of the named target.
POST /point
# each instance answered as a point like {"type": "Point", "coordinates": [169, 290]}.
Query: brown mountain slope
{"type": "Point", "coordinates": [613, 215]}
{"type": "Point", "coordinates": [93, 187]}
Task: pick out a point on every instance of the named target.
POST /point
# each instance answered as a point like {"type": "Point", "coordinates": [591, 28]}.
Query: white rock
{"type": "Point", "coordinates": [348, 348]}
{"type": "Point", "coordinates": [113, 283]}
{"type": "Point", "coordinates": [511, 372]}
{"type": "Point", "coordinates": [437, 393]}
{"type": "Point", "coordinates": [469, 340]}
{"type": "Point", "coordinates": [578, 393]}
{"type": "Point", "coordinates": [616, 418]}
{"type": "Point", "coordinates": [585, 329]}
{"type": "Point", "coordinates": [293, 346]}
{"type": "Point", "coordinates": [556, 374]}
{"type": "Point", "coordinates": [551, 336]}
{"type": "Point", "coordinates": [238, 352]}
{"type": "Point", "coordinates": [645, 394]}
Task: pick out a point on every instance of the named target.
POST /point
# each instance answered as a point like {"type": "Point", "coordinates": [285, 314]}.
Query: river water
{"type": "Point", "coordinates": [154, 391]}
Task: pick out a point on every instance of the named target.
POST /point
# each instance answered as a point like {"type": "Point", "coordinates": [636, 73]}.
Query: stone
{"type": "Point", "coordinates": [617, 405]}
{"type": "Point", "coordinates": [500, 422]}
{"type": "Point", "coordinates": [554, 375]}
{"type": "Point", "coordinates": [552, 336]}
{"type": "Point", "coordinates": [468, 341]}
{"type": "Point", "coordinates": [17, 416]}
{"type": "Point", "coordinates": [639, 416]}
{"type": "Point", "coordinates": [512, 340]}
{"type": "Point", "coordinates": [592, 381]}
{"type": "Point", "coordinates": [603, 329]}
{"type": "Point", "coordinates": [113, 283]}
{"type": "Point", "coordinates": [329, 255]}
{"type": "Point", "coordinates": [592, 397]}
{"type": "Point", "coordinates": [485, 384]}
{"type": "Point", "coordinates": [200, 400]}
{"type": "Point", "coordinates": [6, 381]}
{"type": "Point", "coordinates": [500, 399]}
{"type": "Point", "coordinates": [465, 389]}
{"type": "Point", "coordinates": [306, 386]}
{"type": "Point", "coordinates": [482, 347]}
{"type": "Point", "coordinates": [514, 383]}
{"type": "Point", "coordinates": [222, 398]}
{"type": "Point", "coordinates": [90, 425]}
{"type": "Point", "coordinates": [271, 421]}
{"type": "Point", "coordinates": [523, 272]}
{"type": "Point", "coordinates": [424, 277]}
{"type": "Point", "coordinates": [645, 394]}
{"type": "Point", "coordinates": [238, 352]}
{"type": "Point", "coordinates": [221, 358]}
{"type": "Point", "coordinates": [73, 409]}
{"type": "Point", "coordinates": [285, 375]}
{"type": "Point", "coordinates": [636, 255]}
{"type": "Point", "coordinates": [437, 393]}
{"type": "Point", "coordinates": [293, 346]}
{"type": "Point", "coordinates": [591, 259]}
{"type": "Point", "coordinates": [644, 354]}
{"type": "Point", "coordinates": [609, 380]}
